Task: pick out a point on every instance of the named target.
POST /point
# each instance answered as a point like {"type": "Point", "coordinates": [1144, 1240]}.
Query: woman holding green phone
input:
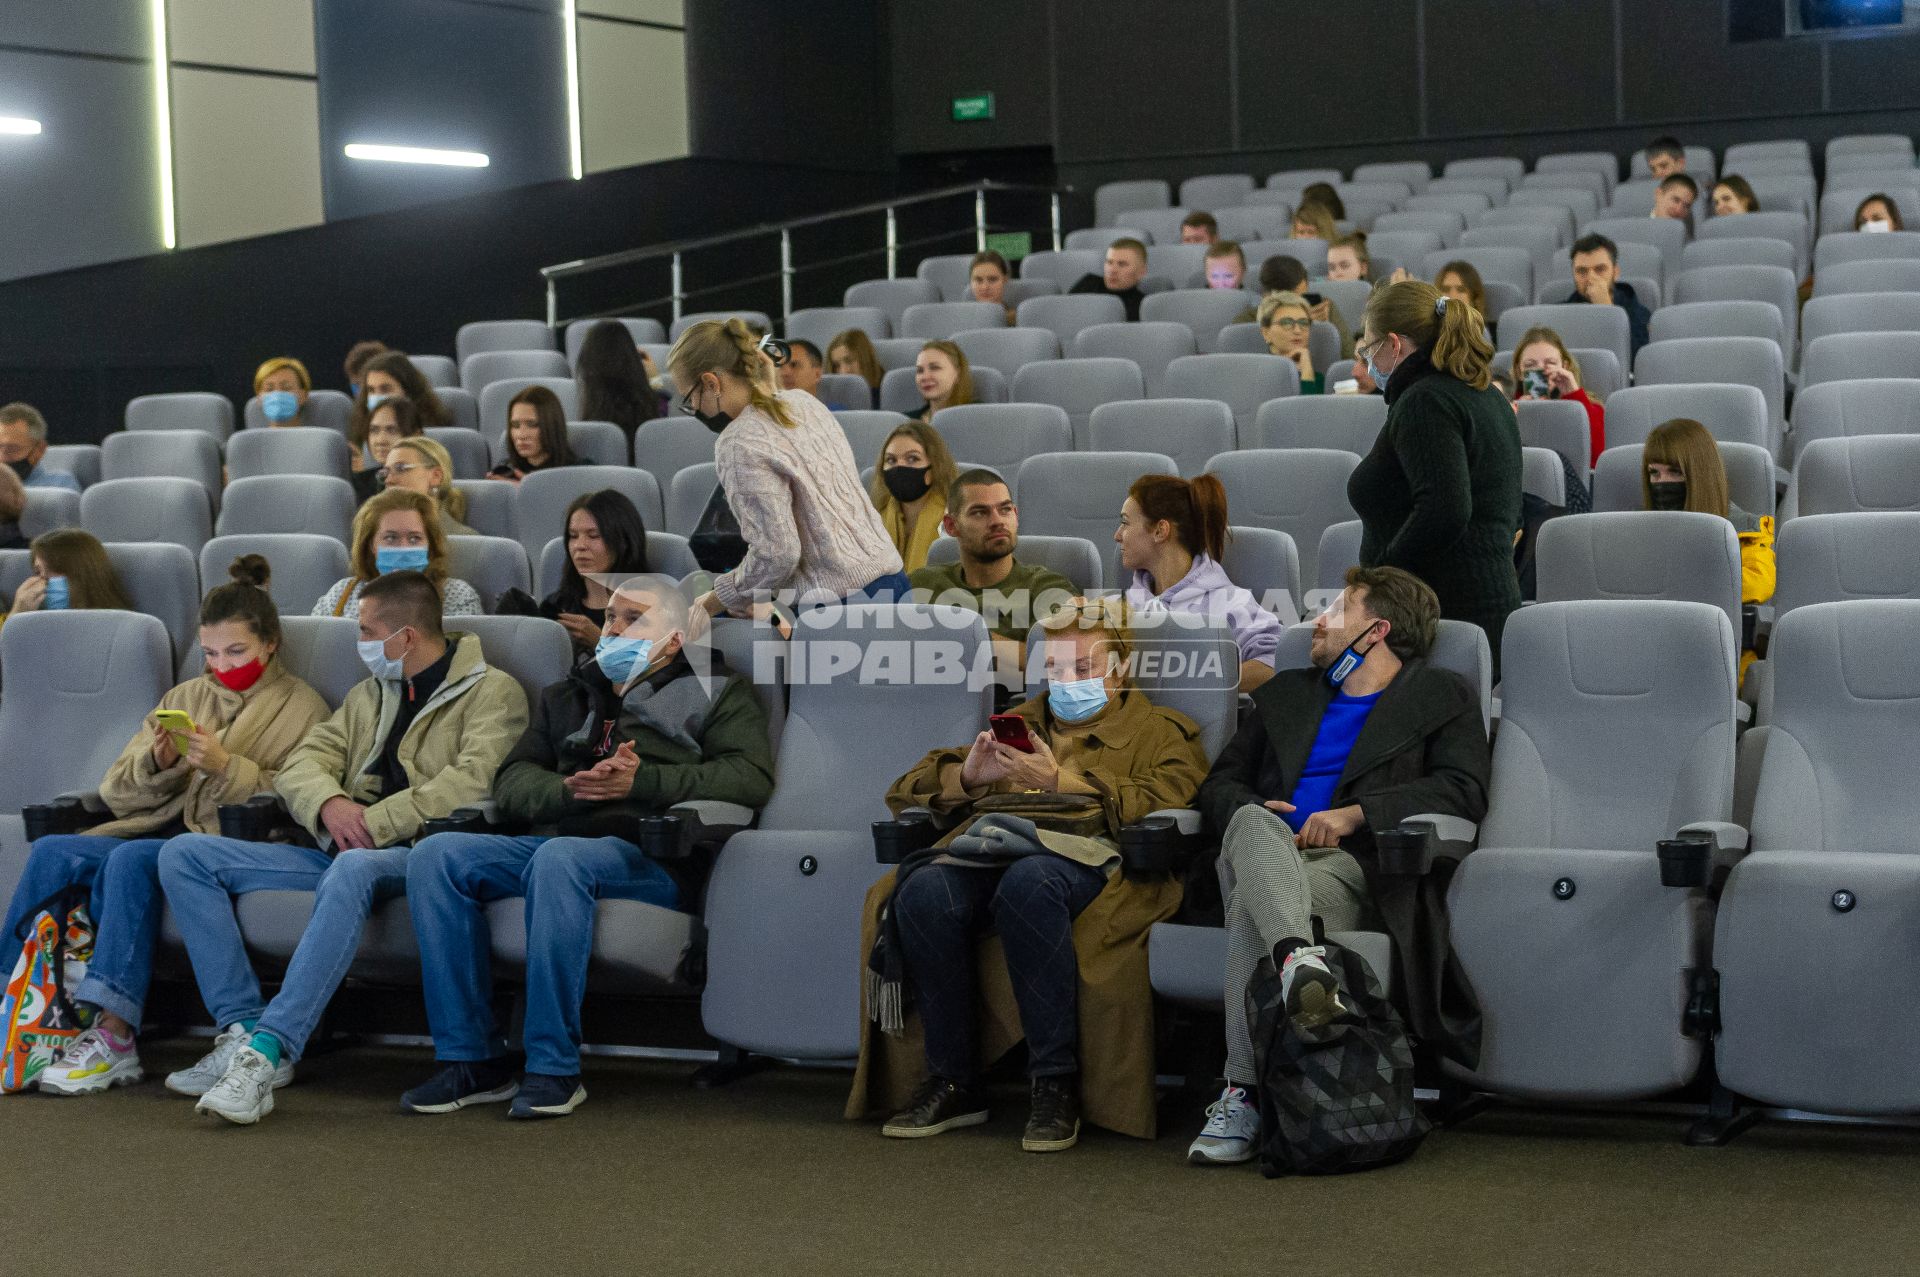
{"type": "Point", "coordinates": [214, 740]}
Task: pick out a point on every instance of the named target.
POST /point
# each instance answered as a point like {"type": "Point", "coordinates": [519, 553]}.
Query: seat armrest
{"type": "Point", "coordinates": [66, 814]}
{"type": "Point", "coordinates": [89, 800]}
{"type": "Point", "coordinates": [475, 819]}
{"type": "Point", "coordinates": [1448, 837]}
{"type": "Point", "coordinates": [695, 825]}
{"type": "Point", "coordinates": [1730, 841]}
{"type": "Point", "coordinates": [913, 830]}
{"type": "Point", "coordinates": [1159, 844]}
{"type": "Point", "coordinates": [1695, 856]}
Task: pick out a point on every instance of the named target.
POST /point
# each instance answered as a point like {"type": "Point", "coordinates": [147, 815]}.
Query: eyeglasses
{"type": "Point", "coordinates": [1363, 350]}
{"type": "Point", "coordinates": [405, 467]}
{"type": "Point", "coordinates": [1292, 325]}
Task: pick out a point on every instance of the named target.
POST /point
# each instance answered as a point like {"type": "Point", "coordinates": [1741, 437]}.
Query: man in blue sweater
{"type": "Point", "coordinates": [1365, 738]}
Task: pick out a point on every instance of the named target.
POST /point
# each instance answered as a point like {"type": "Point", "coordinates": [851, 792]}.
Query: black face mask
{"type": "Point", "coordinates": [906, 483]}
{"type": "Point", "coordinates": [714, 421]}
{"type": "Point", "coordinates": [22, 467]}
{"type": "Point", "coordinates": [1668, 496]}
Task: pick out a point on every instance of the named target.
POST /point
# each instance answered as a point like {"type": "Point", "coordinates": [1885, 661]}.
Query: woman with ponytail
{"type": "Point", "coordinates": [1439, 494]}
{"type": "Point", "coordinates": [1172, 534]}
{"type": "Point", "coordinates": [247, 713]}
{"type": "Point", "coordinates": [789, 477]}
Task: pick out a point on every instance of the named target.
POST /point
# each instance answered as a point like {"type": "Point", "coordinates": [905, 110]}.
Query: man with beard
{"type": "Point", "coordinates": [1013, 596]}
{"type": "Point", "coordinates": [1365, 738]}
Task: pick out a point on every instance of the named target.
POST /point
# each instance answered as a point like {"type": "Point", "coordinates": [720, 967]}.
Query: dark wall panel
{"type": "Point", "coordinates": [202, 319]}
{"type": "Point", "coordinates": [931, 68]}
{"type": "Point", "coordinates": [1491, 70]}
{"type": "Point", "coordinates": [1881, 72]}
{"type": "Point", "coordinates": [1141, 78]}
{"type": "Point", "coordinates": [1312, 72]}
{"type": "Point", "coordinates": [86, 189]}
{"type": "Point", "coordinates": [1677, 65]}
{"type": "Point", "coordinates": [445, 74]}
{"type": "Point", "coordinates": [115, 28]}
{"type": "Point", "coordinates": [786, 83]}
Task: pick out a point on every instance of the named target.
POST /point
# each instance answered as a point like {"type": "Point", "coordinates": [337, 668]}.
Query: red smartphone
{"type": "Point", "coordinates": [1011, 729]}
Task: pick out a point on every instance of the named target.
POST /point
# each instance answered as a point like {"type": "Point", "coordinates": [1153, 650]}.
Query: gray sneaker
{"type": "Point", "coordinates": [244, 1093]}
{"type": "Point", "coordinates": [197, 1081]}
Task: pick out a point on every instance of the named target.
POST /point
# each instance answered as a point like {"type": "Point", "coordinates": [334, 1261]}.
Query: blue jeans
{"type": "Point", "coordinates": [202, 873]}
{"type": "Point", "coordinates": [452, 877]}
{"type": "Point", "coordinates": [124, 904]}
{"type": "Point", "coordinates": [942, 909]}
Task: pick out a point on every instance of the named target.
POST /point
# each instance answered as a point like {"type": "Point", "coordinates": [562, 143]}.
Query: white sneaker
{"type": "Point", "coordinates": [1232, 1127]}
{"type": "Point", "coordinates": [199, 1079]}
{"type": "Point", "coordinates": [244, 1093]}
{"type": "Point", "coordinates": [1309, 989]}
{"type": "Point", "coordinates": [89, 1065]}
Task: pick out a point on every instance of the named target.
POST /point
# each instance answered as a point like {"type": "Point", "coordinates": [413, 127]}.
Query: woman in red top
{"type": "Point", "coordinates": [1543, 368]}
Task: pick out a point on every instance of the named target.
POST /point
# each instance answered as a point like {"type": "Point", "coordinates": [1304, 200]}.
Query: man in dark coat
{"type": "Point", "coordinates": [1368, 737]}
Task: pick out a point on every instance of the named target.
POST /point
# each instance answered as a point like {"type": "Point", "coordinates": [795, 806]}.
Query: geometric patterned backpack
{"type": "Point", "coordinates": [37, 1015]}
{"type": "Point", "coordinates": [1338, 1097]}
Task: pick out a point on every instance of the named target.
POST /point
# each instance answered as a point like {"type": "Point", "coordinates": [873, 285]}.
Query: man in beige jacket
{"type": "Point", "coordinates": [419, 739]}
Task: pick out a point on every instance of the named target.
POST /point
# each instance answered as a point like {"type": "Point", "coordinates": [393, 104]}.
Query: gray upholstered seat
{"type": "Point", "coordinates": [304, 565]}
{"type": "Point", "coordinates": [150, 509]}
{"type": "Point", "coordinates": [1007, 350]}
{"type": "Point", "coordinates": [289, 503]}
{"type": "Point", "coordinates": [1641, 554]}
{"type": "Point", "coordinates": [1001, 436]}
{"type": "Point", "coordinates": [1832, 867]}
{"type": "Point", "coordinates": [1079, 386]}
{"type": "Point", "coordinates": [1731, 413]}
{"type": "Point", "coordinates": [286, 450]}
{"type": "Point", "coordinates": [481, 370]}
{"type": "Point", "coordinates": [1299, 491]}
{"type": "Point", "coordinates": [1349, 423]}
{"type": "Point", "coordinates": [501, 334]}
{"type": "Point", "coordinates": [1191, 431]}
{"type": "Point", "coordinates": [491, 565]}
{"type": "Point", "coordinates": [1562, 904]}
{"type": "Point", "coordinates": [541, 499]}
{"type": "Point", "coordinates": [1246, 383]}
{"type": "Point", "coordinates": [1152, 346]}
{"type": "Point", "coordinates": [200, 410]}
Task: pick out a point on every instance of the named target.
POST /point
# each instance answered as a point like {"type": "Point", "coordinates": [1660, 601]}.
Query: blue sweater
{"type": "Point", "coordinates": [1339, 729]}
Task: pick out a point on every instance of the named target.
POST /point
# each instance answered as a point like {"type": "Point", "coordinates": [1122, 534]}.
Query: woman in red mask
{"type": "Point", "coordinates": [216, 739]}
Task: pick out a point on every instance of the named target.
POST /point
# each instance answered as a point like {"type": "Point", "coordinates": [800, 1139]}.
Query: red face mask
{"type": "Point", "coordinates": [241, 677]}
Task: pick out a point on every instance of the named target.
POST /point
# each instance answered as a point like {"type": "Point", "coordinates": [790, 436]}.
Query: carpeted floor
{"type": "Point", "coordinates": [652, 1176]}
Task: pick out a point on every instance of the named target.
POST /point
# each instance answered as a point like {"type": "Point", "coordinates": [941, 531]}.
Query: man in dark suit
{"type": "Point", "coordinates": [1365, 738]}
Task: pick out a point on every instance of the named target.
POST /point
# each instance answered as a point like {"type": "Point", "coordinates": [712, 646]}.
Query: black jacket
{"type": "Point", "coordinates": [1439, 494]}
{"type": "Point", "coordinates": [1423, 750]}
{"type": "Point", "coordinates": [1638, 318]}
{"type": "Point", "coordinates": [1097, 284]}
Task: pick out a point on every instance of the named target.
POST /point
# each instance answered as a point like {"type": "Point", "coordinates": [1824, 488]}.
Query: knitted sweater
{"type": "Point", "coordinates": [1439, 494]}
{"type": "Point", "coordinates": [457, 598]}
{"type": "Point", "coordinates": [808, 524]}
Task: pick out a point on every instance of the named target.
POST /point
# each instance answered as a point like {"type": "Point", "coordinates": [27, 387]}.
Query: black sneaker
{"type": "Point", "coordinates": [1054, 1125]}
{"type": "Point", "coordinates": [460, 1084]}
{"type": "Point", "coordinates": [542, 1095]}
{"type": "Point", "coordinates": [937, 1106]}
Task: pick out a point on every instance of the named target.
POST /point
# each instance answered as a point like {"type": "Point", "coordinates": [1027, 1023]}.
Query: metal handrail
{"type": "Point", "coordinates": [675, 250]}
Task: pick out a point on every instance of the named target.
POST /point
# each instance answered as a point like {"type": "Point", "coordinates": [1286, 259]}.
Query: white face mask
{"type": "Point", "coordinates": [1876, 224]}
{"type": "Point", "coordinates": [373, 654]}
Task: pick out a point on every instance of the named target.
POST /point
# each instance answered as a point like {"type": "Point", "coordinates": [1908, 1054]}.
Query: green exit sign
{"type": "Point", "coordinates": [973, 106]}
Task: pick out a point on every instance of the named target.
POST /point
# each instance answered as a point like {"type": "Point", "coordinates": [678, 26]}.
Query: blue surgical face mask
{"type": "Point", "coordinates": [1349, 660]}
{"type": "Point", "coordinates": [400, 558]}
{"type": "Point", "coordinates": [57, 597]}
{"type": "Point", "coordinates": [374, 401]}
{"type": "Point", "coordinates": [373, 654]}
{"type": "Point", "coordinates": [618, 657]}
{"type": "Point", "coordinates": [280, 405]}
{"type": "Point", "coordinates": [1373, 369]}
{"type": "Point", "coordinates": [1076, 701]}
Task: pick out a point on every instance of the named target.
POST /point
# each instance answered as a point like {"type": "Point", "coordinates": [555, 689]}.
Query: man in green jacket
{"type": "Point", "coordinates": [419, 739]}
{"type": "Point", "coordinates": [629, 736]}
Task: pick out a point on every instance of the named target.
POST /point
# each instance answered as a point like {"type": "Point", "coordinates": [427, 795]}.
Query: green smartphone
{"type": "Point", "coordinates": [178, 725]}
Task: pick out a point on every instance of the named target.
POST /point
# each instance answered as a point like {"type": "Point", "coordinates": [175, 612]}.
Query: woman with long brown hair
{"type": "Point", "coordinates": [71, 571]}
{"type": "Point", "coordinates": [398, 531]}
{"type": "Point", "coordinates": [1439, 494]}
{"type": "Point", "coordinates": [911, 478]}
{"type": "Point", "coordinates": [536, 436]}
{"type": "Point", "coordinates": [1172, 535]}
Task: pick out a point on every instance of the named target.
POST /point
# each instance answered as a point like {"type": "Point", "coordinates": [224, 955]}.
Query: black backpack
{"type": "Point", "coordinates": [1338, 1097]}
